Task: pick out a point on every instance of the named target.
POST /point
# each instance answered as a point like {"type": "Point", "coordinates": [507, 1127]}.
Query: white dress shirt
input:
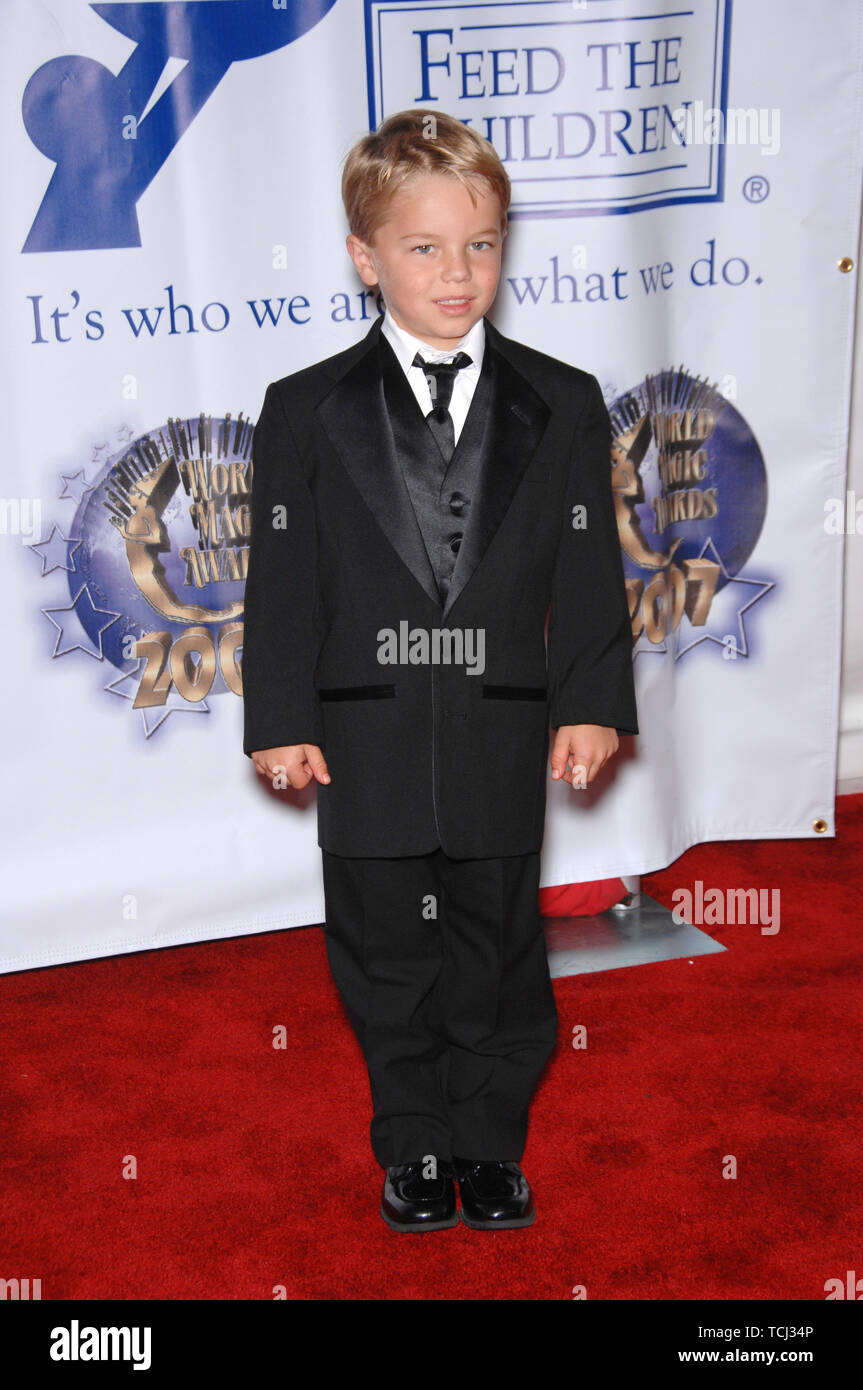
{"type": "Point", "coordinates": [406, 346]}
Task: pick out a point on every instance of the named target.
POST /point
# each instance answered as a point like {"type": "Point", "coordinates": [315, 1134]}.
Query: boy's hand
{"type": "Point", "coordinates": [298, 762]}
{"type": "Point", "coordinates": [589, 745]}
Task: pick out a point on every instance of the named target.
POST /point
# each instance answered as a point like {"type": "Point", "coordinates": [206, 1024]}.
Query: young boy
{"type": "Point", "coordinates": [419, 502]}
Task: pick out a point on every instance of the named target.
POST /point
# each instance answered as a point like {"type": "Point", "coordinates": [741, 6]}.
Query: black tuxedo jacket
{"type": "Point", "coordinates": [433, 753]}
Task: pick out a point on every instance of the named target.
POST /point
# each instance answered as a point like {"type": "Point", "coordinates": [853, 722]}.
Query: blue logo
{"type": "Point", "coordinates": [585, 101]}
{"type": "Point", "coordinates": [107, 141]}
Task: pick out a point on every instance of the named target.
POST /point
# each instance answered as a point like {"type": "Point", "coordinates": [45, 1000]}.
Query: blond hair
{"type": "Point", "coordinates": [415, 141]}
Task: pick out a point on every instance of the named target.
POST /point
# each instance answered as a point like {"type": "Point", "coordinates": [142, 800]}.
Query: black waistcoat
{"type": "Point", "coordinates": [441, 493]}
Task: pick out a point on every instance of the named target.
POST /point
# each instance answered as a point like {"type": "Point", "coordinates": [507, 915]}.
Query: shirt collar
{"type": "Point", "coordinates": [406, 346]}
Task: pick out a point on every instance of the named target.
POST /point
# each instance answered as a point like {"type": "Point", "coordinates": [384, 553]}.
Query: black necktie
{"type": "Point", "coordinates": [441, 379]}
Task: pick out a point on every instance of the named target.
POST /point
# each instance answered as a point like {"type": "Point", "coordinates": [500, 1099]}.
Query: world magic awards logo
{"type": "Point", "coordinates": [690, 497]}
{"type": "Point", "coordinates": [155, 559]}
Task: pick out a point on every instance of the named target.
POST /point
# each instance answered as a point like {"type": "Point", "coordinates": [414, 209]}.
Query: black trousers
{"type": "Point", "coordinates": [441, 965]}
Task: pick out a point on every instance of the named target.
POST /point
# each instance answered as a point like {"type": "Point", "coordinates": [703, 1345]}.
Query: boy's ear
{"type": "Point", "coordinates": [359, 254]}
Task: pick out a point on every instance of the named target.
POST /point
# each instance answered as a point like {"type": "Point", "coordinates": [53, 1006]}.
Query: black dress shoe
{"type": "Point", "coordinates": [411, 1202]}
{"type": "Point", "coordinates": [494, 1196]}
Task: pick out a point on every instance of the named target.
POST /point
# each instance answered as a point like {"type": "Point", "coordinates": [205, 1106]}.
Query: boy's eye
{"type": "Point", "coordinates": [427, 246]}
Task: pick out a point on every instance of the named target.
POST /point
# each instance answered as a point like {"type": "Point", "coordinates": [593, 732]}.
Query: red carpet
{"type": "Point", "coordinates": [253, 1164]}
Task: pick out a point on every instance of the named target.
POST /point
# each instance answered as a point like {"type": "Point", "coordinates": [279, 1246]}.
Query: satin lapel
{"type": "Point", "coordinates": [354, 415]}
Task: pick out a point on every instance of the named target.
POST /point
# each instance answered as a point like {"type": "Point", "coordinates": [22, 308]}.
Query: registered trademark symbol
{"type": "Point", "coordinates": [756, 188]}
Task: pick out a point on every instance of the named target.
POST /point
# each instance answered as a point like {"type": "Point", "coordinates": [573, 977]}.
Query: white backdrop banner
{"type": "Point", "coordinates": [686, 186]}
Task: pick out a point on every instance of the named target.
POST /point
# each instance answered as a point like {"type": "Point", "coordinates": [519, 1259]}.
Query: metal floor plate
{"type": "Point", "coordinates": [635, 935]}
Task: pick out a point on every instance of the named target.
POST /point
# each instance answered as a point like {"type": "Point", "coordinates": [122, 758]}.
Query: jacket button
{"type": "Point", "coordinates": [454, 543]}
{"type": "Point", "coordinates": [457, 503]}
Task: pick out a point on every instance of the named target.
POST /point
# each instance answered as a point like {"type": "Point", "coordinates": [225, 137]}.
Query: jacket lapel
{"type": "Point", "coordinates": [355, 417]}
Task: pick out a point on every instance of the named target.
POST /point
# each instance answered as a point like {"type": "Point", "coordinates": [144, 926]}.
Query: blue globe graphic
{"type": "Point", "coordinates": [102, 559]}
{"type": "Point", "coordinates": [732, 465]}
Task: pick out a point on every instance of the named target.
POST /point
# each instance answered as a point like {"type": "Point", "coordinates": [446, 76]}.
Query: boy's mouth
{"type": "Point", "coordinates": [452, 303]}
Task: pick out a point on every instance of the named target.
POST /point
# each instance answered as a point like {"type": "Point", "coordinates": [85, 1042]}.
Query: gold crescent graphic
{"type": "Point", "coordinates": [145, 535]}
{"type": "Point", "coordinates": [627, 451]}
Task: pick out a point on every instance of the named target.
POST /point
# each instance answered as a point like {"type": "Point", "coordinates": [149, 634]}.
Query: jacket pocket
{"type": "Point", "coordinates": [514, 692]}
{"type": "Point", "coordinates": [358, 692]}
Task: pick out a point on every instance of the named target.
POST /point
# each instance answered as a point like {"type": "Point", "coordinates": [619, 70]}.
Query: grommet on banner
{"type": "Point", "coordinates": [819, 826]}
{"type": "Point", "coordinates": [845, 264]}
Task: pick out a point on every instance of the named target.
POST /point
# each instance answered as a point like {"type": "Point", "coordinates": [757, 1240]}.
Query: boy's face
{"type": "Point", "coordinates": [436, 257]}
